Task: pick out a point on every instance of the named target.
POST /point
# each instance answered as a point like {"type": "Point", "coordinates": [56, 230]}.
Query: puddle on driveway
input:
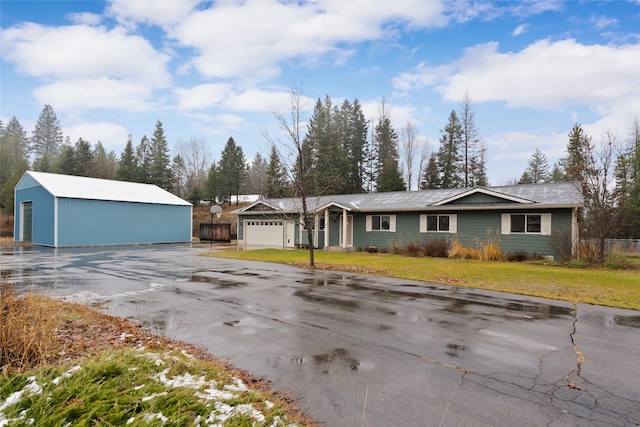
{"type": "Point", "coordinates": [632, 321]}
{"type": "Point", "coordinates": [338, 355]}
{"type": "Point", "coordinates": [215, 281]}
{"type": "Point", "coordinates": [326, 299]}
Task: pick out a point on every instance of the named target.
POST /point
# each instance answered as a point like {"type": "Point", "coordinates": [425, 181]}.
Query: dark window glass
{"type": "Point", "coordinates": [534, 223]}
{"type": "Point", "coordinates": [385, 223]}
{"type": "Point", "coordinates": [517, 223]}
{"type": "Point", "coordinates": [443, 223]}
{"type": "Point", "coordinates": [432, 222]}
{"type": "Point", "coordinates": [375, 222]}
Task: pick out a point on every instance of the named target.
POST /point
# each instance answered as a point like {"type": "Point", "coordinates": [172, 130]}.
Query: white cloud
{"type": "Point", "coordinates": [154, 12]}
{"type": "Point", "coordinates": [202, 96]}
{"type": "Point", "coordinates": [94, 93]}
{"type": "Point", "coordinates": [235, 40]}
{"type": "Point", "coordinates": [86, 18]}
{"type": "Point", "coordinates": [520, 29]}
{"type": "Point", "coordinates": [82, 51]}
{"type": "Point", "coordinates": [545, 75]}
{"type": "Point", "coordinates": [262, 101]}
{"type": "Point", "coordinates": [602, 22]}
{"type": "Point", "coordinates": [112, 136]}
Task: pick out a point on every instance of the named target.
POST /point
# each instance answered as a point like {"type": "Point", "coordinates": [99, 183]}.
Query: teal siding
{"type": "Point", "coordinates": [478, 199]}
{"type": "Point", "coordinates": [97, 222]}
{"type": "Point", "coordinates": [82, 222]}
{"type": "Point", "coordinates": [534, 243]}
{"type": "Point", "coordinates": [42, 218]}
{"type": "Point", "coordinates": [473, 229]}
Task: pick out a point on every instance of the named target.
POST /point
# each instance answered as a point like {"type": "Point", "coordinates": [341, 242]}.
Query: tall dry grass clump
{"type": "Point", "coordinates": [459, 251]}
{"type": "Point", "coordinates": [27, 330]}
{"type": "Point", "coordinates": [491, 248]}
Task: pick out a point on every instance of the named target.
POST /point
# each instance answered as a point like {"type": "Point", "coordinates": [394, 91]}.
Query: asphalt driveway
{"type": "Point", "coordinates": [366, 351]}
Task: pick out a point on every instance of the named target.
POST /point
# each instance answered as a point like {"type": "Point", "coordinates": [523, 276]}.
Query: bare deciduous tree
{"type": "Point", "coordinates": [600, 198]}
{"type": "Point", "coordinates": [196, 158]}
{"type": "Point", "coordinates": [409, 143]}
{"type": "Point", "coordinates": [292, 153]}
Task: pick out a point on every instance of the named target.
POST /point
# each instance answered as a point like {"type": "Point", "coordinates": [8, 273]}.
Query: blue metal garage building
{"type": "Point", "coordinates": [62, 210]}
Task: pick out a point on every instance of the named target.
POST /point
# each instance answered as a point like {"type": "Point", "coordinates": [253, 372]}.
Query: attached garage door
{"type": "Point", "coordinates": [263, 234]}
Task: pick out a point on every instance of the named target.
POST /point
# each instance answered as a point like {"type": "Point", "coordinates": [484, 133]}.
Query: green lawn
{"type": "Point", "coordinates": [615, 288]}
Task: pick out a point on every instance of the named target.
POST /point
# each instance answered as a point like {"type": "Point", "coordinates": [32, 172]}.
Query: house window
{"type": "Point", "coordinates": [526, 224]}
{"type": "Point", "coordinates": [381, 223]}
{"type": "Point", "coordinates": [438, 223]}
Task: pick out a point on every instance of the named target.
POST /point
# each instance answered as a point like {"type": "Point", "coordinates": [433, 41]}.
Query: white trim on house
{"type": "Point", "coordinates": [545, 223]}
{"type": "Point", "coordinates": [482, 191]}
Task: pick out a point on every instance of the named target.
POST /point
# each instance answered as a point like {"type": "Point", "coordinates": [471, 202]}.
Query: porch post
{"type": "Point", "coordinates": [344, 228]}
{"type": "Point", "coordinates": [326, 228]}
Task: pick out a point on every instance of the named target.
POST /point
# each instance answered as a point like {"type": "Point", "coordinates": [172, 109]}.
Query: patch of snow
{"type": "Point", "coordinates": [83, 297]}
{"type": "Point", "coordinates": [153, 396]}
{"type": "Point", "coordinates": [67, 374]}
{"type": "Point", "coordinates": [30, 389]}
{"type": "Point", "coordinates": [214, 394]}
{"type": "Point", "coordinates": [150, 417]}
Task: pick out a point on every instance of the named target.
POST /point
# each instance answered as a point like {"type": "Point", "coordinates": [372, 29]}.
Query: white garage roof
{"type": "Point", "coordinates": [78, 187]}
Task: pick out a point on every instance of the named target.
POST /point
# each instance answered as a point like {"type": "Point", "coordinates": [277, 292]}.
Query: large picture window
{"type": "Point", "coordinates": [381, 223]}
{"type": "Point", "coordinates": [526, 224]}
{"type": "Point", "coordinates": [438, 223]}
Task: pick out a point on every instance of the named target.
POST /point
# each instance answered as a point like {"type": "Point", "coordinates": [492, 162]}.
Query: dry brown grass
{"type": "Point", "coordinates": [36, 330]}
{"type": "Point", "coordinates": [460, 252]}
{"type": "Point", "coordinates": [27, 332]}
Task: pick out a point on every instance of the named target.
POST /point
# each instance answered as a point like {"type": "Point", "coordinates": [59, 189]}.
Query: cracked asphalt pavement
{"type": "Point", "coordinates": [359, 350]}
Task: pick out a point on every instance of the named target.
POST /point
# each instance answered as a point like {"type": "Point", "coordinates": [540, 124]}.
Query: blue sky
{"type": "Point", "coordinates": [211, 70]}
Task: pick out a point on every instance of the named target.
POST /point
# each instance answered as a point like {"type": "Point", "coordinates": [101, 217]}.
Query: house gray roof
{"type": "Point", "coordinates": [511, 196]}
{"type": "Point", "coordinates": [78, 187]}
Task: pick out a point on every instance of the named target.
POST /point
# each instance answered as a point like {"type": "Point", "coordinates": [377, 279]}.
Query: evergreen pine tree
{"type": "Point", "coordinates": [46, 139]}
{"type": "Point", "coordinates": [389, 176]}
{"type": "Point", "coordinates": [84, 165]}
{"type": "Point", "coordinates": [14, 160]}
{"type": "Point", "coordinates": [448, 156]}
{"type": "Point", "coordinates": [276, 176]}
{"type": "Point", "coordinates": [160, 168]}
{"type": "Point", "coordinates": [537, 169]}
{"type": "Point", "coordinates": [128, 166]}
{"type": "Point", "coordinates": [144, 160]}
{"type": "Point", "coordinates": [232, 170]}
{"type": "Point", "coordinates": [212, 184]}
{"type": "Point", "coordinates": [431, 175]}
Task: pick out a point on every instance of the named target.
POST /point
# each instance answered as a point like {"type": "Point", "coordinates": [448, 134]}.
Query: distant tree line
{"type": "Point", "coordinates": [340, 152]}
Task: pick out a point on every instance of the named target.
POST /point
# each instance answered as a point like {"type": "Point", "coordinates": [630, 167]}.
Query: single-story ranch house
{"type": "Point", "coordinates": [521, 217]}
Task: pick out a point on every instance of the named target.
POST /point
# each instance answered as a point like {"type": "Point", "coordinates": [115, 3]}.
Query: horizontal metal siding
{"type": "Point", "coordinates": [98, 222]}
{"type": "Point", "coordinates": [43, 214]}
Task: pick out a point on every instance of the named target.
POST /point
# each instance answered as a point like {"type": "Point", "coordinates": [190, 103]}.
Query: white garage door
{"type": "Point", "coordinates": [263, 234]}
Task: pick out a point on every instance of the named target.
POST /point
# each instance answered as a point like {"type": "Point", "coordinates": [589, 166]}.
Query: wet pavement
{"type": "Point", "coordinates": [365, 351]}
